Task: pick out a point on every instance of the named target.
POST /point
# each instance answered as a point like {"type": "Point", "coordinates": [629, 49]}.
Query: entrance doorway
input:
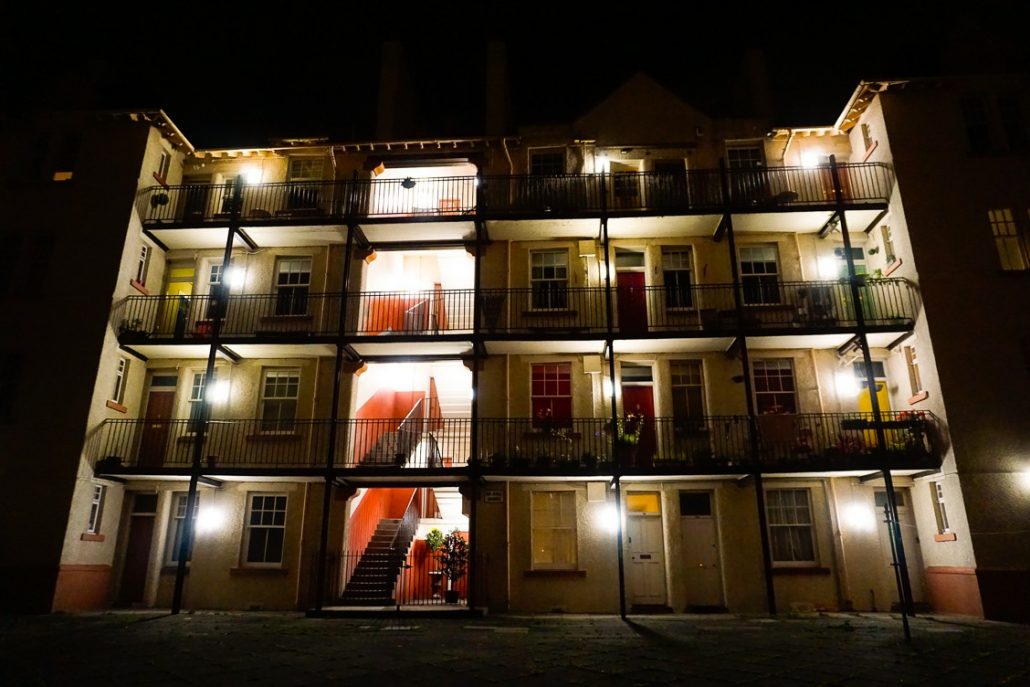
{"type": "Point", "coordinates": [885, 597]}
{"type": "Point", "coordinates": [638, 401]}
{"type": "Point", "coordinates": [160, 407]}
{"type": "Point", "coordinates": [173, 317]}
{"type": "Point", "coordinates": [646, 549]}
{"type": "Point", "coordinates": [137, 550]}
{"type": "Point", "coordinates": [702, 576]}
{"type": "Point", "coordinates": [631, 291]}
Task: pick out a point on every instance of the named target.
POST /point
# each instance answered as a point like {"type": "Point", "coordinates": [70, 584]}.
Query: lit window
{"type": "Point", "coordinates": [121, 377]}
{"type": "Point", "coordinates": [889, 254]}
{"type": "Point", "coordinates": [547, 162]}
{"type": "Point", "coordinates": [143, 264]}
{"type": "Point", "coordinates": [176, 525]}
{"type": "Point", "coordinates": [96, 509]}
{"type": "Point", "coordinates": [265, 530]}
{"type": "Point", "coordinates": [774, 386]}
{"type": "Point", "coordinates": [292, 284]}
{"type": "Point", "coordinates": [1011, 246]}
{"type": "Point", "coordinates": [789, 513]}
{"type": "Point", "coordinates": [676, 271]}
{"type": "Point", "coordinates": [549, 279]}
{"type": "Point", "coordinates": [939, 510]}
{"type": "Point", "coordinates": [554, 530]}
{"type": "Point", "coordinates": [912, 362]}
{"type": "Point", "coordinates": [759, 274]}
{"type": "Point", "coordinates": [279, 393]}
{"type": "Point", "coordinates": [552, 394]}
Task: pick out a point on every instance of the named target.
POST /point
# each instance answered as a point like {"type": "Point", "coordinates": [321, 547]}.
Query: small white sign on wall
{"type": "Point", "coordinates": [493, 496]}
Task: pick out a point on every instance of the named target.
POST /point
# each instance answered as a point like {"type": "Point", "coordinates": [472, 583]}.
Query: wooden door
{"type": "Point", "coordinates": [137, 550]}
{"type": "Point", "coordinates": [156, 428]}
{"type": "Point", "coordinates": [632, 303]}
{"type": "Point", "coordinates": [638, 399]}
{"type": "Point", "coordinates": [646, 551]}
{"type": "Point", "coordinates": [701, 573]}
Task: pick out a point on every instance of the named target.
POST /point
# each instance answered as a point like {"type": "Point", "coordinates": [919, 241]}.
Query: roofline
{"type": "Point", "coordinates": [159, 118]}
{"type": "Point", "coordinates": [410, 145]}
{"type": "Point", "coordinates": [855, 105]}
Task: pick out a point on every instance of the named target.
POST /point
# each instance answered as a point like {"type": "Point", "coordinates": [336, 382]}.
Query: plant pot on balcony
{"type": "Point", "coordinates": [451, 596]}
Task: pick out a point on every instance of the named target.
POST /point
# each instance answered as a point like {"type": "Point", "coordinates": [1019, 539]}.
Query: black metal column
{"type": "Point", "coordinates": [745, 362]}
{"type": "Point", "coordinates": [477, 360]}
{"type": "Point", "coordinates": [898, 548]}
{"type": "Point", "coordinates": [216, 312]}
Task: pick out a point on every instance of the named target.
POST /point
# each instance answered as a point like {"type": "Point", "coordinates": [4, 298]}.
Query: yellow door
{"type": "Point", "coordinates": [174, 313]}
{"type": "Point", "coordinates": [865, 405]}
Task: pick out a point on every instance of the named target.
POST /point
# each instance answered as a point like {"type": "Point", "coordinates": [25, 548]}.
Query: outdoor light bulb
{"type": "Point", "coordinates": [810, 159]}
{"type": "Point", "coordinates": [860, 517]}
{"type": "Point", "coordinates": [846, 384]}
{"type": "Point", "coordinates": [606, 387]}
{"type": "Point", "coordinates": [252, 175]}
{"type": "Point", "coordinates": [1024, 479]}
{"type": "Point", "coordinates": [608, 518]}
{"type": "Point", "coordinates": [210, 519]}
{"type": "Point", "coordinates": [219, 392]}
{"type": "Point", "coordinates": [828, 267]}
{"type": "Point", "coordinates": [472, 394]}
{"type": "Point", "coordinates": [234, 277]}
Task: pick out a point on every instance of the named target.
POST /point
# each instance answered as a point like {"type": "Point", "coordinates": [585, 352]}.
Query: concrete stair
{"type": "Point", "coordinates": [372, 581]}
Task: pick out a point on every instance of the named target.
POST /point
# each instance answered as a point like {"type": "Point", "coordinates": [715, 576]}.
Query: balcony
{"type": "Point", "coordinates": [770, 307]}
{"type": "Point", "coordinates": [767, 189]}
{"type": "Point", "coordinates": [580, 446]}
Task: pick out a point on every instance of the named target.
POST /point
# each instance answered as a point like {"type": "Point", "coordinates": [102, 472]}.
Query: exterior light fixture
{"type": "Point", "coordinates": [608, 518]}
{"type": "Point", "coordinates": [408, 183]}
{"type": "Point", "coordinates": [210, 519]}
{"type": "Point", "coordinates": [252, 175]}
{"type": "Point", "coordinates": [829, 267]}
{"type": "Point", "coordinates": [606, 386]}
{"type": "Point", "coordinates": [219, 391]}
{"type": "Point", "coordinates": [810, 160]}
{"type": "Point", "coordinates": [860, 517]}
{"type": "Point", "coordinates": [234, 277]}
{"type": "Point", "coordinates": [846, 384]}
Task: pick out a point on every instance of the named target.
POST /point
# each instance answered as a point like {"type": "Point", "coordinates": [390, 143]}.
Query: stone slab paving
{"type": "Point", "coordinates": [286, 650]}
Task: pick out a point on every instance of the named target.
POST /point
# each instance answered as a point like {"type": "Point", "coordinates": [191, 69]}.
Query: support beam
{"type": "Point", "coordinates": [745, 480]}
{"type": "Point", "coordinates": [211, 482]}
{"type": "Point", "coordinates": [134, 353]}
{"type": "Point", "coordinates": [157, 242]}
{"type": "Point", "coordinates": [900, 340]}
{"type": "Point", "coordinates": [850, 346]}
{"type": "Point", "coordinates": [720, 230]}
{"type": "Point", "coordinates": [229, 353]}
{"type": "Point", "coordinates": [876, 220]}
{"type": "Point", "coordinates": [871, 477]}
{"type": "Point", "coordinates": [477, 350]}
{"type": "Point", "coordinates": [924, 473]}
{"type": "Point", "coordinates": [251, 243]}
{"type": "Point", "coordinates": [828, 225]}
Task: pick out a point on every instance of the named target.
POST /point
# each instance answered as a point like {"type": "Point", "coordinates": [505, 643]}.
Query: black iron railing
{"type": "Point", "coordinates": [420, 580]}
{"type": "Point", "coordinates": [499, 196]}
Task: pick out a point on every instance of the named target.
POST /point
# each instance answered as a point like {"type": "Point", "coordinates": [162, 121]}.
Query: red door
{"type": "Point", "coordinates": [137, 552]}
{"type": "Point", "coordinates": [155, 428]}
{"type": "Point", "coordinates": [632, 303]}
{"type": "Point", "coordinates": [639, 400]}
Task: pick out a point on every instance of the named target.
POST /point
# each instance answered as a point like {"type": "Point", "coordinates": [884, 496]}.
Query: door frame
{"type": "Point", "coordinates": [664, 532]}
{"type": "Point", "coordinates": [717, 532]}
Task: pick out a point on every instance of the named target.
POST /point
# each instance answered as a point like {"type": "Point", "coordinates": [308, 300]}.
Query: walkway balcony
{"type": "Point", "coordinates": [577, 446]}
{"type": "Point", "coordinates": [766, 189]}
{"type": "Point", "coordinates": [770, 307]}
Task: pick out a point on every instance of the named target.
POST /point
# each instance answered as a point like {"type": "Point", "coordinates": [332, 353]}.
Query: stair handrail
{"type": "Point", "coordinates": [409, 522]}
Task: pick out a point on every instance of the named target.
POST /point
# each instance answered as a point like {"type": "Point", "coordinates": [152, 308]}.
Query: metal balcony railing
{"type": "Point", "coordinates": [796, 441]}
{"type": "Point", "coordinates": [501, 196]}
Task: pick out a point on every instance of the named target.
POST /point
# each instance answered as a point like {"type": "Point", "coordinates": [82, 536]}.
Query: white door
{"type": "Point", "coordinates": [701, 573]}
{"type": "Point", "coordinates": [913, 555]}
{"type": "Point", "coordinates": [646, 549]}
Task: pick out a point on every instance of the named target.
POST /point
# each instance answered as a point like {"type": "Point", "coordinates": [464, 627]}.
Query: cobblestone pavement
{"type": "Point", "coordinates": [153, 649]}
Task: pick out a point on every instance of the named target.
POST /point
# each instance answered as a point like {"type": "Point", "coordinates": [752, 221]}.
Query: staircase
{"type": "Point", "coordinates": [374, 576]}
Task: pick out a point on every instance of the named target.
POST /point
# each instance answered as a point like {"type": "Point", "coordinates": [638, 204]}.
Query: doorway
{"type": "Point", "coordinates": [174, 314]}
{"type": "Point", "coordinates": [137, 549]}
{"type": "Point", "coordinates": [160, 407]}
{"type": "Point", "coordinates": [646, 549]}
{"type": "Point", "coordinates": [631, 291]}
{"type": "Point", "coordinates": [887, 588]}
{"type": "Point", "coordinates": [702, 576]}
{"type": "Point", "coordinates": [638, 411]}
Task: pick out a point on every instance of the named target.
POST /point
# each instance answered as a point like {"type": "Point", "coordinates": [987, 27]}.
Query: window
{"type": "Point", "coordinates": [214, 276]}
{"type": "Point", "coordinates": [857, 257]}
{"type": "Point", "coordinates": [176, 525]}
{"type": "Point", "coordinates": [676, 270]}
{"type": "Point", "coordinates": [96, 509]}
{"type": "Point", "coordinates": [265, 530]}
{"type": "Point", "coordinates": [867, 137]}
{"type": "Point", "coordinates": [121, 378]}
{"type": "Point", "coordinates": [774, 386]}
{"type": "Point", "coordinates": [912, 362]}
{"type": "Point", "coordinates": [939, 510]}
{"type": "Point", "coordinates": [549, 279]}
{"type": "Point", "coordinates": [554, 530]}
{"type": "Point", "coordinates": [305, 169]}
{"type": "Point", "coordinates": [688, 405]}
{"type": "Point", "coordinates": [142, 265]}
{"type": "Point", "coordinates": [279, 393]}
{"type": "Point", "coordinates": [1012, 122]}
{"type": "Point", "coordinates": [547, 162]}
{"type": "Point", "coordinates": [789, 514]}
{"type": "Point", "coordinates": [889, 254]}
{"type": "Point", "coordinates": [1012, 249]}
{"type": "Point", "coordinates": [292, 284]}
{"type": "Point", "coordinates": [163, 165]}
{"type": "Point", "coordinates": [197, 388]}
{"type": "Point", "coordinates": [744, 157]}
{"type": "Point", "coordinates": [552, 394]}
{"type": "Point", "coordinates": [978, 131]}
{"type": "Point", "coordinates": [759, 274]}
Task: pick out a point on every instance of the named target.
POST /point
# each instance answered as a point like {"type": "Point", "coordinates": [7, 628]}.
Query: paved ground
{"type": "Point", "coordinates": [287, 649]}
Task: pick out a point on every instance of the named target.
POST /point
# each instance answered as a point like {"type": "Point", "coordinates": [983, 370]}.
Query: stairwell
{"type": "Point", "coordinates": [375, 574]}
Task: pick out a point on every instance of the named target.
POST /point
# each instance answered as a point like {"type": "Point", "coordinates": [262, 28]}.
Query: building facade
{"type": "Point", "coordinates": [649, 360]}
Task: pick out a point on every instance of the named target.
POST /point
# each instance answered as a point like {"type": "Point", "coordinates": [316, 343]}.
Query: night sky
{"type": "Point", "coordinates": [247, 77]}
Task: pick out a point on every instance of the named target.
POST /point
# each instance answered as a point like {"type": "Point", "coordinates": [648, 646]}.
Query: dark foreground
{"type": "Point", "coordinates": [287, 649]}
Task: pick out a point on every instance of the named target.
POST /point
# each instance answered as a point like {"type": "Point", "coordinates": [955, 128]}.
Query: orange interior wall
{"type": "Point", "coordinates": [386, 311]}
{"type": "Point", "coordinates": [375, 505]}
{"type": "Point", "coordinates": [385, 410]}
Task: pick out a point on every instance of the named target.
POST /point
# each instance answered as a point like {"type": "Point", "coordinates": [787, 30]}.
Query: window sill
{"type": "Point", "coordinates": [555, 573]}
{"type": "Point", "coordinates": [115, 405]}
{"type": "Point", "coordinates": [259, 572]}
{"type": "Point", "coordinates": [139, 287]}
{"type": "Point", "coordinates": [921, 396]}
{"type": "Point", "coordinates": [947, 536]}
{"type": "Point", "coordinates": [89, 536]}
{"type": "Point", "coordinates": [800, 570]}
{"type": "Point", "coordinates": [891, 268]}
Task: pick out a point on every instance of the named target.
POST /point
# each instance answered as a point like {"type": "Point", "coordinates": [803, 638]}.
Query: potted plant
{"type": "Point", "coordinates": [434, 540]}
{"type": "Point", "coordinates": [454, 558]}
{"type": "Point", "coordinates": [627, 437]}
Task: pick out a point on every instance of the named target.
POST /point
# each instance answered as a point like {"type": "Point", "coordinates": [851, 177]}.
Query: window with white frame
{"type": "Point", "coordinates": [164, 163]}
{"type": "Point", "coordinates": [265, 530]}
{"type": "Point", "coordinates": [940, 511]}
{"type": "Point", "coordinates": [791, 535]}
{"type": "Point", "coordinates": [96, 508]}
{"type": "Point", "coordinates": [760, 274]}
{"type": "Point", "coordinates": [143, 265]}
{"type": "Point", "coordinates": [198, 388]}
{"type": "Point", "coordinates": [214, 275]}
{"type": "Point", "coordinates": [279, 392]}
{"type": "Point", "coordinates": [551, 394]}
{"type": "Point", "coordinates": [912, 363]}
{"type": "Point", "coordinates": [677, 277]}
{"type": "Point", "coordinates": [305, 169]}
{"type": "Point", "coordinates": [292, 285]}
{"type": "Point", "coordinates": [1008, 240]}
{"type": "Point", "coordinates": [688, 403]}
{"type": "Point", "coordinates": [547, 161]}
{"type": "Point", "coordinates": [774, 387]}
{"type": "Point", "coordinates": [549, 279]}
{"type": "Point", "coordinates": [554, 530]}
{"type": "Point", "coordinates": [744, 157]}
{"type": "Point", "coordinates": [867, 136]}
{"type": "Point", "coordinates": [177, 524]}
{"type": "Point", "coordinates": [121, 380]}
{"type": "Point", "coordinates": [889, 253]}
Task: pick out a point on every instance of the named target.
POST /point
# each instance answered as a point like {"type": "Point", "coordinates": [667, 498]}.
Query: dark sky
{"type": "Point", "coordinates": [257, 73]}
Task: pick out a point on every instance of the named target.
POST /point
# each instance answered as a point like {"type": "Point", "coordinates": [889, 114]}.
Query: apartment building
{"type": "Point", "coordinates": [650, 360]}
